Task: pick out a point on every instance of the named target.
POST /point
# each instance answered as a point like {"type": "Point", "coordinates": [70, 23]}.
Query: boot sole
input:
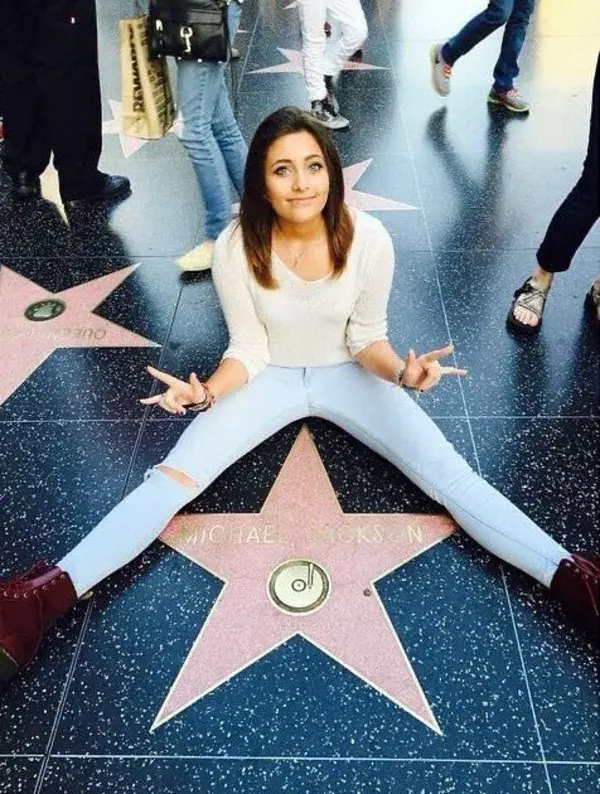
{"type": "Point", "coordinates": [8, 666]}
{"type": "Point", "coordinates": [74, 204]}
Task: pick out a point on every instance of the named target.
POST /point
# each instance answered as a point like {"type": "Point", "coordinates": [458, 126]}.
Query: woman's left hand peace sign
{"type": "Point", "coordinates": [179, 394]}
{"type": "Point", "coordinates": [424, 372]}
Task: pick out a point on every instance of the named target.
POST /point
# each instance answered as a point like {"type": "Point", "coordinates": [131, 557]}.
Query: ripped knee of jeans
{"type": "Point", "coordinates": [178, 476]}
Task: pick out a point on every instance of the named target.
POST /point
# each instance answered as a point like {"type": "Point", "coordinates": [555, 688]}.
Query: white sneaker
{"type": "Point", "coordinates": [199, 258]}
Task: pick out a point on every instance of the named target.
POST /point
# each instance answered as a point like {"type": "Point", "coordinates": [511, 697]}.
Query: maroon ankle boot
{"type": "Point", "coordinates": [29, 603]}
{"type": "Point", "coordinates": [577, 584]}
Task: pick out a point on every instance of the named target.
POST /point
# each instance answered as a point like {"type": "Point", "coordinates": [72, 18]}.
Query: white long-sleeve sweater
{"type": "Point", "coordinates": [305, 323]}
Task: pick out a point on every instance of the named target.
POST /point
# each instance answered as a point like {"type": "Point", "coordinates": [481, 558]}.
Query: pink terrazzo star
{"type": "Point", "coordinates": [301, 567]}
{"type": "Point", "coordinates": [356, 198]}
{"type": "Point", "coordinates": [367, 201]}
{"type": "Point", "coordinates": [34, 322]}
{"type": "Point", "coordinates": [293, 65]}
{"type": "Point", "coordinates": [129, 144]}
{"type": "Point", "coordinates": [114, 126]}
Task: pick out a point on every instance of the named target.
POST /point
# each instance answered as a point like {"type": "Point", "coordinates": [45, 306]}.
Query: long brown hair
{"type": "Point", "coordinates": [257, 215]}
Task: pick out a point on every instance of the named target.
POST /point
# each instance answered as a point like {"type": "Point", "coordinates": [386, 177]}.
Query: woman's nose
{"type": "Point", "coordinates": [300, 181]}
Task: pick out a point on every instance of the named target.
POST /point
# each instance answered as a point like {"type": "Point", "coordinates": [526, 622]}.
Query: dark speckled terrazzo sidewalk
{"type": "Point", "coordinates": [513, 687]}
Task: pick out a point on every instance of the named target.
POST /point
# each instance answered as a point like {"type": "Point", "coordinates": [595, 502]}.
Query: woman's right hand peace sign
{"type": "Point", "coordinates": [425, 371]}
{"type": "Point", "coordinates": [178, 395]}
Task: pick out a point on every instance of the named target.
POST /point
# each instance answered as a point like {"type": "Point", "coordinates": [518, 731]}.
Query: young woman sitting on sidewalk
{"type": "Point", "coordinates": [304, 283]}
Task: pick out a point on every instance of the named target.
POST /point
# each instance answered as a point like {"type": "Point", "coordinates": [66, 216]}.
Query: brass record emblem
{"type": "Point", "coordinates": [47, 309]}
{"type": "Point", "coordinates": [299, 586]}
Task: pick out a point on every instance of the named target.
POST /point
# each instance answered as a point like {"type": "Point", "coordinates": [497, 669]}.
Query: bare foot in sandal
{"type": "Point", "coordinates": [527, 308]}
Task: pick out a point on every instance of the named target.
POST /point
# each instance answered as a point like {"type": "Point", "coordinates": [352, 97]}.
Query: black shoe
{"type": "Point", "coordinates": [325, 114]}
{"type": "Point", "coordinates": [26, 186]}
{"type": "Point", "coordinates": [112, 187]}
{"type": "Point", "coordinates": [331, 97]}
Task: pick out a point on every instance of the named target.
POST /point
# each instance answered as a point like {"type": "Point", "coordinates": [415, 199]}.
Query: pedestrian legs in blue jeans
{"type": "Point", "coordinates": [514, 15]}
{"type": "Point", "coordinates": [214, 143]}
{"type": "Point", "coordinates": [515, 30]}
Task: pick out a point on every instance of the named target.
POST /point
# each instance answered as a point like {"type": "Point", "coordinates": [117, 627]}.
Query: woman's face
{"type": "Point", "coordinates": [296, 177]}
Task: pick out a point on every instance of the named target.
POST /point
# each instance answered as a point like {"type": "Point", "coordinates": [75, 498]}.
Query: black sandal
{"type": "Point", "coordinates": [592, 304]}
{"type": "Point", "coordinates": [531, 298]}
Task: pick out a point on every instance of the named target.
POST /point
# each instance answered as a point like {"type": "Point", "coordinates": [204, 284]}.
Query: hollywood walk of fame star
{"type": "Point", "coordinates": [129, 144]}
{"type": "Point", "coordinates": [114, 126]}
{"type": "Point", "coordinates": [34, 322]}
{"type": "Point", "coordinates": [293, 65]}
{"type": "Point", "coordinates": [356, 198]}
{"type": "Point", "coordinates": [301, 567]}
{"type": "Point", "coordinates": [367, 201]}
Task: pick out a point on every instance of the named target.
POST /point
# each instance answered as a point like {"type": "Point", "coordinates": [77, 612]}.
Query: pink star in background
{"type": "Point", "coordinates": [129, 144]}
{"type": "Point", "coordinates": [294, 65]}
{"type": "Point", "coordinates": [367, 201]}
{"type": "Point", "coordinates": [301, 567]}
{"type": "Point", "coordinates": [356, 198]}
{"type": "Point", "coordinates": [34, 322]}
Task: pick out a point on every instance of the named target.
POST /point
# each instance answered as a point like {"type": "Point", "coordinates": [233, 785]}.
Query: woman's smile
{"type": "Point", "coordinates": [302, 199]}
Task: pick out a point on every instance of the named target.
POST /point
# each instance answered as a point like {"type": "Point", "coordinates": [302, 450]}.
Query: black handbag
{"type": "Point", "coordinates": [189, 29]}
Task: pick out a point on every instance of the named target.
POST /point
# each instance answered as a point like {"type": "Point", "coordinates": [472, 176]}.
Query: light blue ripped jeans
{"type": "Point", "coordinates": [380, 415]}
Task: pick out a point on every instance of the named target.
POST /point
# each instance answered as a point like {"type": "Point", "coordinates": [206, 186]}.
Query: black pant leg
{"type": "Point", "coordinates": [69, 85]}
{"type": "Point", "coordinates": [26, 141]}
{"type": "Point", "coordinates": [581, 209]}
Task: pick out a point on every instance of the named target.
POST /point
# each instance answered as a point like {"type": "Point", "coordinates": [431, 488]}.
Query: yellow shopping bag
{"type": "Point", "coordinates": [148, 110]}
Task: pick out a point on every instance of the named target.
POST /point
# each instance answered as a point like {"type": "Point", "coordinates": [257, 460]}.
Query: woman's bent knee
{"type": "Point", "coordinates": [179, 477]}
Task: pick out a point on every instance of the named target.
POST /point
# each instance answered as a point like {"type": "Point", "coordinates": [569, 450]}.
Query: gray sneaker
{"type": "Point", "coordinates": [511, 100]}
{"type": "Point", "coordinates": [325, 114]}
{"type": "Point", "coordinates": [441, 72]}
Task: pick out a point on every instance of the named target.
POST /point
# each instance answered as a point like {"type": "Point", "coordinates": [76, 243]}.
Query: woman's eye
{"type": "Point", "coordinates": [315, 166]}
{"type": "Point", "coordinates": [281, 171]}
